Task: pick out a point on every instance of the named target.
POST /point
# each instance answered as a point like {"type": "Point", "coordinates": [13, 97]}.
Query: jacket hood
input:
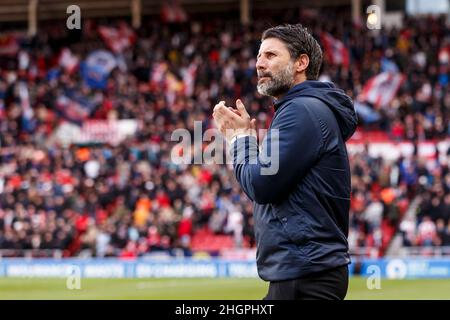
{"type": "Point", "coordinates": [340, 103]}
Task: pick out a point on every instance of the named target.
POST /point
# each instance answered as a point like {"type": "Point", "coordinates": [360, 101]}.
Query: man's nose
{"type": "Point", "coordinates": [260, 64]}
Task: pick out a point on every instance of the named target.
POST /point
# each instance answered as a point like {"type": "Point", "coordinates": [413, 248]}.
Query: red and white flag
{"type": "Point", "coordinates": [381, 89]}
{"type": "Point", "coordinates": [118, 39]}
{"type": "Point", "coordinates": [71, 109]}
{"type": "Point", "coordinates": [68, 61]}
{"type": "Point", "coordinates": [335, 50]}
{"type": "Point", "coordinates": [173, 12]}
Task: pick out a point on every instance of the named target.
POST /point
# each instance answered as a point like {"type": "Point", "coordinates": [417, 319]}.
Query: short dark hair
{"type": "Point", "coordinates": [298, 41]}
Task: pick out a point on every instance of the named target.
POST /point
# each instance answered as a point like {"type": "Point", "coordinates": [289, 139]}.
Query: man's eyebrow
{"type": "Point", "coordinates": [274, 51]}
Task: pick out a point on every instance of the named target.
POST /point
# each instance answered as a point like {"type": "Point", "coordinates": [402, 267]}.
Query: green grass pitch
{"type": "Point", "coordinates": [245, 289]}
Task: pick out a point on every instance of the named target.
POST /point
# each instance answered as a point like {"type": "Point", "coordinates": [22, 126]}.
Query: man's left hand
{"type": "Point", "coordinates": [232, 122]}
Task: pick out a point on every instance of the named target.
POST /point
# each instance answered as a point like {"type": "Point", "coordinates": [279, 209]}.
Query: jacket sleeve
{"type": "Point", "coordinates": [288, 151]}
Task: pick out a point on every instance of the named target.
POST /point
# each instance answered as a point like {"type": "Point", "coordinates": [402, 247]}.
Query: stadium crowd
{"type": "Point", "coordinates": [130, 199]}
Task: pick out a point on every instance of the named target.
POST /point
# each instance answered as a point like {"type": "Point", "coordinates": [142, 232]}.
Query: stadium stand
{"type": "Point", "coordinates": [86, 119]}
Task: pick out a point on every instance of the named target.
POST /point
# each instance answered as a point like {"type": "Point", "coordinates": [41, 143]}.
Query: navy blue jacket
{"type": "Point", "coordinates": [299, 182]}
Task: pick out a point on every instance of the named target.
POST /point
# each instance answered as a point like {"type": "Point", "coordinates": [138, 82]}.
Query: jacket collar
{"type": "Point", "coordinates": [293, 92]}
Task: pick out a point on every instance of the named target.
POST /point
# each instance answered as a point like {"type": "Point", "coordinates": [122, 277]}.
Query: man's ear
{"type": "Point", "coordinates": [302, 63]}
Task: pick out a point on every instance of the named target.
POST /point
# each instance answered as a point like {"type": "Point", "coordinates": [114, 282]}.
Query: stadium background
{"type": "Point", "coordinates": [86, 178]}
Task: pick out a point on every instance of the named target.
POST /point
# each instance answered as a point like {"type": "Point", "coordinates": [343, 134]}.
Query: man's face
{"type": "Point", "coordinates": [275, 68]}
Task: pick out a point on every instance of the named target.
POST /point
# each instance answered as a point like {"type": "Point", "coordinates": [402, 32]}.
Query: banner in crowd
{"type": "Point", "coordinates": [173, 13]}
{"type": "Point", "coordinates": [366, 113]}
{"type": "Point", "coordinates": [96, 131]}
{"type": "Point", "coordinates": [96, 68]}
{"type": "Point", "coordinates": [68, 60]}
{"type": "Point", "coordinates": [387, 65]}
{"type": "Point", "coordinates": [71, 109]}
{"type": "Point", "coordinates": [76, 107]}
{"type": "Point", "coordinates": [335, 50]}
{"type": "Point", "coordinates": [391, 150]}
{"type": "Point", "coordinates": [381, 89]}
{"type": "Point", "coordinates": [117, 39]}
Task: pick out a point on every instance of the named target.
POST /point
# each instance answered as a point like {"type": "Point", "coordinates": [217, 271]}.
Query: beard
{"type": "Point", "coordinates": [277, 84]}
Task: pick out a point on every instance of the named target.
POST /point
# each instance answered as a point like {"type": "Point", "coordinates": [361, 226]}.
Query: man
{"type": "Point", "coordinates": [301, 210]}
